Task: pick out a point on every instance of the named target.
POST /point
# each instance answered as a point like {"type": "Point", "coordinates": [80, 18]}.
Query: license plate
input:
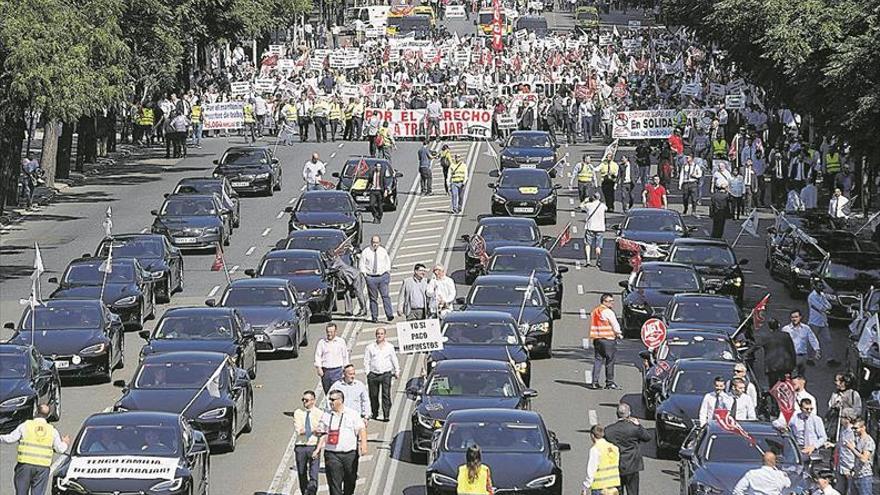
{"type": "Point", "coordinates": [260, 337]}
{"type": "Point", "coordinates": [240, 184]}
{"type": "Point", "coordinates": [185, 240]}
{"type": "Point", "coordinates": [519, 209]}
{"type": "Point", "coordinates": [767, 179]}
{"type": "Point", "coordinates": [61, 364]}
{"type": "Point", "coordinates": [362, 198]}
{"type": "Point", "coordinates": [529, 165]}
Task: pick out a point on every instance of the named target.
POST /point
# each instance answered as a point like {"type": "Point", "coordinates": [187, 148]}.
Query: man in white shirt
{"type": "Point", "coordinates": [825, 482]}
{"type": "Point", "coordinates": [433, 110]}
{"type": "Point", "coordinates": [765, 480]}
{"type": "Point", "coordinates": [741, 404]}
{"type": "Point", "coordinates": [375, 264]}
{"type": "Point", "coordinates": [804, 340]}
{"type": "Point", "coordinates": [331, 354]}
{"type": "Point", "coordinates": [441, 290]}
{"type": "Point", "coordinates": [313, 171]}
{"type": "Point", "coordinates": [838, 206]}
{"type": "Point", "coordinates": [380, 364]}
{"type": "Point", "coordinates": [343, 441]}
{"type": "Point", "coordinates": [305, 424]}
{"type": "Point", "coordinates": [688, 181]}
{"type": "Point", "coordinates": [809, 195]}
{"type": "Point", "coordinates": [355, 392]}
{"type": "Point", "coordinates": [594, 227]}
{"type": "Point", "coordinates": [717, 399]}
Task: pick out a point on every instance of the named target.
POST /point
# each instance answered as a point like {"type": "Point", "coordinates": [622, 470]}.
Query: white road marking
{"type": "Point", "coordinates": [250, 251]}
{"type": "Point", "coordinates": [333, 155]}
{"type": "Point", "coordinates": [417, 246]}
{"type": "Point", "coordinates": [574, 229]}
{"type": "Point", "coordinates": [580, 289]}
{"type": "Point", "coordinates": [145, 230]}
{"type": "Point", "coordinates": [571, 201]}
{"type": "Point", "coordinates": [280, 214]}
{"type": "Point", "coordinates": [425, 222]}
{"type": "Point", "coordinates": [572, 213]}
{"type": "Point", "coordinates": [422, 238]}
{"type": "Point", "coordinates": [594, 420]}
{"type": "Point", "coordinates": [430, 229]}
{"type": "Point", "coordinates": [411, 255]}
{"type": "Point", "coordinates": [266, 232]}
{"type": "Point", "coordinates": [214, 291]}
{"type": "Point", "coordinates": [583, 313]}
{"type": "Point", "coordinates": [233, 269]}
{"type": "Point", "coordinates": [292, 201]}
{"type": "Point", "coordinates": [577, 265]}
{"type": "Point", "coordinates": [341, 145]}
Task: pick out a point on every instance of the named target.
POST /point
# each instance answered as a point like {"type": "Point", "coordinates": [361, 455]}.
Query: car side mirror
{"type": "Point", "coordinates": [250, 272]}
{"type": "Point", "coordinates": [547, 240]}
{"type": "Point", "coordinates": [199, 445]}
{"type": "Point", "coordinates": [743, 262]}
{"type": "Point", "coordinates": [9, 325]}
{"type": "Point", "coordinates": [557, 186]}
{"type": "Point", "coordinates": [771, 230]}
{"type": "Point", "coordinates": [616, 226]}
{"type": "Point", "coordinates": [693, 228]}
{"type": "Point", "coordinates": [210, 303]}
{"type": "Point", "coordinates": [530, 340]}
{"type": "Point", "coordinates": [414, 388]}
{"type": "Point", "coordinates": [623, 284]}
{"type": "Point", "coordinates": [335, 174]}
{"type": "Point", "coordinates": [144, 334]}
{"type": "Point", "coordinates": [398, 174]}
{"type": "Point", "coordinates": [215, 162]}
{"type": "Point", "coordinates": [248, 332]}
{"type": "Point", "coordinates": [119, 383]}
{"type": "Point", "coordinates": [563, 446]}
{"type": "Point", "coordinates": [53, 280]}
{"type": "Point", "coordinates": [459, 300]}
{"type": "Point", "coordinates": [491, 185]}
{"type": "Point", "coordinates": [563, 269]}
{"type": "Point", "coordinates": [86, 255]}
{"type": "Point", "coordinates": [529, 393]}
{"type": "Point", "coordinates": [494, 173]}
{"type": "Point", "coordinates": [155, 213]}
{"type": "Point", "coordinates": [288, 209]}
{"type": "Point", "coordinates": [686, 454]}
{"type": "Point", "coordinates": [274, 160]}
{"type": "Point", "coordinates": [466, 237]}
{"type": "Point", "coordinates": [165, 195]}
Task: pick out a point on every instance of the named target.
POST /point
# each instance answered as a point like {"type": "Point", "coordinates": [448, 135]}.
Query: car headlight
{"type": "Point", "coordinates": [498, 199]}
{"type": "Point", "coordinates": [425, 421]}
{"type": "Point", "coordinates": [548, 200]}
{"type": "Point", "coordinates": [118, 408]}
{"type": "Point", "coordinates": [213, 413]}
{"type": "Point", "coordinates": [264, 175]}
{"type": "Point", "coordinates": [639, 308]}
{"type": "Point", "coordinates": [297, 225]}
{"type": "Point", "coordinates": [125, 301]}
{"type": "Point", "coordinates": [672, 420]}
{"type": "Point", "coordinates": [317, 292]}
{"type": "Point", "coordinates": [736, 282]}
{"type": "Point", "coordinates": [67, 485]}
{"type": "Point", "coordinates": [522, 367]}
{"type": "Point", "coordinates": [281, 327]}
{"type": "Point", "coordinates": [542, 482]}
{"type": "Point", "coordinates": [540, 327]}
{"type": "Point", "coordinates": [15, 401]}
{"type": "Point", "coordinates": [217, 176]}
{"type": "Point", "coordinates": [157, 275]}
{"type": "Point", "coordinates": [168, 485]}
{"type": "Point", "coordinates": [94, 350]}
{"type": "Point", "coordinates": [443, 480]}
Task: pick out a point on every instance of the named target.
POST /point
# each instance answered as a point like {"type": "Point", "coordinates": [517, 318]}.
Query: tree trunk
{"type": "Point", "coordinates": [12, 130]}
{"type": "Point", "coordinates": [86, 143]}
{"type": "Point", "coordinates": [62, 157]}
{"type": "Point", "coordinates": [111, 129]}
{"type": "Point", "coordinates": [50, 150]}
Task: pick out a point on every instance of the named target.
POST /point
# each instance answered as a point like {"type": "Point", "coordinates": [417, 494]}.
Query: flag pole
{"type": "Point", "coordinates": [870, 219]}
{"type": "Point", "coordinates": [559, 237]}
{"type": "Point", "coordinates": [526, 294]}
{"type": "Point", "coordinates": [741, 230]}
{"type": "Point", "coordinates": [109, 268]}
{"type": "Point", "coordinates": [33, 304]}
{"type": "Point", "coordinates": [223, 261]}
{"type": "Point", "coordinates": [742, 325]}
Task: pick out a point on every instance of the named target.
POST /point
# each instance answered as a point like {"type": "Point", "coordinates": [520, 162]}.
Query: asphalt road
{"type": "Point", "coordinates": [420, 231]}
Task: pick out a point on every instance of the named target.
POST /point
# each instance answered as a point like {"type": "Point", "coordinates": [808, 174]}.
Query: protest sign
{"type": "Point", "coordinates": [455, 11]}
{"type": "Point", "coordinates": [735, 102]}
{"type": "Point", "coordinates": [347, 91]}
{"type": "Point", "coordinates": [648, 124]}
{"type": "Point", "coordinates": [239, 88]}
{"type": "Point", "coordinates": [374, 32]}
{"type": "Point", "coordinates": [634, 23]}
{"type": "Point", "coordinates": [419, 336]}
{"type": "Point", "coordinates": [122, 467]}
{"type": "Point", "coordinates": [605, 39]}
{"type": "Point", "coordinates": [716, 90]}
{"type": "Point", "coordinates": [228, 115]}
{"type": "Point", "coordinates": [265, 85]}
{"type": "Point", "coordinates": [277, 50]}
{"type": "Point", "coordinates": [506, 121]}
{"type": "Point", "coordinates": [345, 59]}
{"type": "Point", "coordinates": [461, 57]}
{"type": "Point", "coordinates": [286, 65]}
{"type": "Point", "coordinates": [631, 44]}
{"type": "Point", "coordinates": [735, 86]}
{"type": "Point", "coordinates": [453, 121]}
{"type": "Point", "coordinates": [653, 333]}
{"type": "Point", "coordinates": [691, 89]}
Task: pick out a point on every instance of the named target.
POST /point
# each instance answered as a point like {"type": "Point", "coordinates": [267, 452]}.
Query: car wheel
{"type": "Point", "coordinates": [392, 203]}
{"type": "Point", "coordinates": [249, 424]}
{"type": "Point", "coordinates": [121, 364]}
{"type": "Point", "coordinates": [270, 189]}
{"type": "Point", "coordinates": [56, 407]}
{"type": "Point", "coordinates": [305, 337]}
{"type": "Point", "coordinates": [108, 374]}
{"type": "Point", "coordinates": [662, 452]}
{"type": "Point", "coordinates": [164, 296]}
{"type": "Point", "coordinates": [469, 278]}
{"type": "Point", "coordinates": [233, 428]}
{"type": "Point", "coordinates": [252, 373]}
{"type": "Point", "coordinates": [180, 279]}
{"type": "Point", "coordinates": [206, 476]}
{"type": "Point", "coordinates": [237, 221]}
{"type": "Point", "coordinates": [294, 352]}
{"type": "Point", "coordinates": [278, 184]}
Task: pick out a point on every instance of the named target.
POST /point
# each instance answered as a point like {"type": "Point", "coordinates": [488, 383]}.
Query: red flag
{"type": "Point", "coordinates": [517, 63]}
{"type": "Point", "coordinates": [758, 312]}
{"type": "Point", "coordinates": [565, 235]}
{"type": "Point", "coordinates": [635, 250]}
{"type": "Point", "coordinates": [497, 40]}
{"type": "Point", "coordinates": [478, 248]}
{"type": "Point", "coordinates": [344, 246]}
{"type": "Point", "coordinates": [361, 169]}
{"type": "Point", "coordinates": [729, 424]}
{"type": "Point", "coordinates": [783, 392]}
{"type": "Point", "coordinates": [327, 185]}
{"type": "Point", "coordinates": [218, 263]}
{"type": "Point", "coordinates": [386, 55]}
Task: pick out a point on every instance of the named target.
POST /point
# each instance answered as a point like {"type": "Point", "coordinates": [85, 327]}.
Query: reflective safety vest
{"type": "Point", "coordinates": [358, 110]}
{"type": "Point", "coordinates": [719, 148]}
{"type": "Point", "coordinates": [146, 117]}
{"type": "Point", "coordinates": [459, 172]}
{"type": "Point", "coordinates": [681, 118]}
{"type": "Point", "coordinates": [832, 163]}
{"type": "Point", "coordinates": [608, 472]}
{"type": "Point", "coordinates": [335, 112]}
{"type": "Point", "coordinates": [196, 114]}
{"type": "Point", "coordinates": [249, 114]}
{"type": "Point", "coordinates": [35, 446]}
{"type": "Point", "coordinates": [585, 174]}
{"type": "Point", "coordinates": [600, 328]}
{"type": "Point", "coordinates": [482, 484]}
{"type": "Point", "coordinates": [289, 112]}
{"type": "Point", "coordinates": [446, 157]}
{"type": "Point", "coordinates": [320, 110]}
{"type": "Point", "coordinates": [608, 170]}
{"type": "Point", "coordinates": [349, 111]}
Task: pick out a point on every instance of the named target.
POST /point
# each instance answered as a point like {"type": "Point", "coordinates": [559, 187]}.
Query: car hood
{"type": "Point", "coordinates": [525, 152]}
{"type": "Point", "coordinates": [235, 171]}
{"type": "Point", "coordinates": [112, 292]}
{"type": "Point", "coordinates": [169, 400]}
{"type": "Point", "coordinates": [682, 405]}
{"type": "Point", "coordinates": [158, 346]}
{"type": "Point", "coordinates": [263, 316]}
{"type": "Point", "coordinates": [725, 328]}
{"type": "Point", "coordinates": [194, 221]}
{"type": "Point", "coordinates": [509, 470]}
{"type": "Point", "coordinates": [725, 475]}
{"type": "Point", "coordinates": [94, 485]}
{"type": "Point", "coordinates": [439, 407]}
{"type": "Point", "coordinates": [60, 342]}
{"type": "Point", "coordinates": [14, 387]}
{"type": "Point", "coordinates": [323, 218]}
{"type": "Point", "coordinates": [304, 283]}
{"type": "Point", "coordinates": [530, 314]}
{"type": "Point", "coordinates": [523, 193]}
{"type": "Point", "coordinates": [651, 297]}
{"type": "Point", "coordinates": [652, 237]}
{"type": "Point", "coordinates": [491, 352]}
{"type": "Point", "coordinates": [491, 245]}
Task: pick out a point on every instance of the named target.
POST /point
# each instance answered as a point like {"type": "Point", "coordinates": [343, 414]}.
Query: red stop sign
{"type": "Point", "coordinates": [653, 333]}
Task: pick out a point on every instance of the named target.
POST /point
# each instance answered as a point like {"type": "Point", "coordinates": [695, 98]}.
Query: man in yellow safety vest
{"type": "Point", "coordinates": [250, 121]}
{"type": "Point", "coordinates": [602, 465]}
{"type": "Point", "coordinates": [458, 174]}
{"type": "Point", "coordinates": [195, 118]}
{"type": "Point", "coordinates": [37, 441]}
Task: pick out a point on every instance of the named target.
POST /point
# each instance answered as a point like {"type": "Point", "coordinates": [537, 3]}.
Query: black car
{"type": "Point", "coordinates": [204, 329]}
{"type": "Point", "coordinates": [809, 221]}
{"type": "Point", "coordinates": [524, 192]}
{"type": "Point", "coordinates": [536, 24]}
{"type": "Point", "coordinates": [81, 336]}
{"type": "Point", "coordinates": [355, 178]}
{"type": "Point", "coordinates": [679, 396]}
{"type": "Point", "coordinates": [26, 381]}
{"type": "Point", "coordinates": [523, 454]}
{"type": "Point", "coordinates": [326, 210]}
{"type": "Point", "coordinates": [523, 260]}
{"type": "Point", "coordinates": [715, 262]}
{"type": "Point", "coordinates": [652, 230]}
{"type": "Point", "coordinates": [648, 291]}
{"type": "Point", "coordinates": [192, 221]}
{"type": "Point", "coordinates": [250, 169]}
{"type": "Point", "coordinates": [483, 335]}
{"type": "Point", "coordinates": [711, 312]}
{"type": "Point", "coordinates": [681, 344]}
{"type": "Point", "coordinates": [863, 348]}
{"type": "Point", "coordinates": [496, 232]}
{"type": "Point", "coordinates": [322, 240]}
{"type": "Point", "coordinates": [206, 388]}
{"type": "Point", "coordinates": [459, 384]}
{"type": "Point", "coordinates": [214, 185]}
{"type": "Point", "coordinates": [713, 460]}
{"type": "Point", "coordinates": [165, 440]}
{"type": "Point", "coordinates": [845, 276]}
{"type": "Point", "coordinates": [530, 149]}
{"type": "Point", "coordinates": [511, 294]}
{"type": "Point", "coordinates": [307, 270]}
{"type": "Point", "coordinates": [126, 287]}
{"type": "Point", "coordinates": [794, 258]}
{"type": "Point", "coordinates": [269, 305]}
{"type": "Point", "coordinates": [156, 255]}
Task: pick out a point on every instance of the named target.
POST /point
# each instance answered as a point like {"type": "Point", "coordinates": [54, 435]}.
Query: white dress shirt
{"type": "Point", "coordinates": [837, 207]}
{"type": "Point", "coordinates": [375, 262]}
{"type": "Point", "coordinates": [18, 433]}
{"type": "Point", "coordinates": [349, 423]}
{"type": "Point", "coordinates": [442, 292]}
{"type": "Point", "coordinates": [356, 396]}
{"type": "Point", "coordinates": [745, 408]}
{"type": "Point", "coordinates": [764, 480]}
{"type": "Point", "coordinates": [331, 354]}
{"type": "Point", "coordinates": [313, 171]}
{"type": "Point", "coordinates": [381, 358]}
{"type": "Point", "coordinates": [707, 407]}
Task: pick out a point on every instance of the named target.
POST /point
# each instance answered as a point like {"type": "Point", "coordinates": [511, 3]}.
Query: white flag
{"type": "Point", "coordinates": [531, 287]}
{"type": "Point", "coordinates": [213, 385]}
{"type": "Point", "coordinates": [870, 335]}
{"type": "Point", "coordinates": [107, 265]}
{"type": "Point", "coordinates": [38, 263]}
{"type": "Point", "coordinates": [615, 32]}
{"type": "Point", "coordinates": [108, 222]}
{"type": "Point", "coordinates": [611, 149]}
{"type": "Point", "coordinates": [750, 224]}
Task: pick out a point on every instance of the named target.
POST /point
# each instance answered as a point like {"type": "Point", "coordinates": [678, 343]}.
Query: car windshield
{"type": "Point", "coordinates": [461, 333]}
{"type": "Point", "coordinates": [667, 278]}
{"type": "Point", "coordinates": [699, 347]}
{"type": "Point", "coordinates": [314, 203]}
{"type": "Point", "coordinates": [518, 233]}
{"type": "Point", "coordinates": [147, 247]}
{"type": "Point", "coordinates": [529, 141]}
{"type": "Point", "coordinates": [316, 242]}
{"type": "Point", "coordinates": [586, 16]}
{"type": "Point", "coordinates": [702, 255]}
{"type": "Point", "coordinates": [256, 296]}
{"type": "Point", "coordinates": [866, 268]}
{"type": "Point", "coordinates": [497, 295]}
{"type": "Point", "coordinates": [175, 375]}
{"type": "Point", "coordinates": [160, 441]}
{"type": "Point", "coordinates": [520, 263]}
{"type": "Point", "coordinates": [808, 251]}
{"type": "Point", "coordinates": [62, 317]}
{"type": "Point", "coordinates": [495, 437]}
{"type": "Point", "coordinates": [195, 328]}
{"type": "Point", "coordinates": [486, 17]}
{"type": "Point", "coordinates": [653, 223]}
{"type": "Point", "coordinates": [694, 382]}
{"type": "Point", "coordinates": [736, 449]}
{"type": "Point", "coordinates": [242, 158]}
{"type": "Point", "coordinates": [351, 169]}
{"type": "Point", "coordinates": [705, 312]}
{"type": "Point", "coordinates": [286, 267]}
{"type": "Point", "coordinates": [13, 365]}
{"type": "Point", "coordinates": [528, 179]}
{"type": "Point", "coordinates": [188, 207]}
{"type": "Point", "coordinates": [537, 25]}
{"type": "Point", "coordinates": [471, 383]}
{"type": "Point", "coordinates": [213, 187]}
{"type": "Point", "coordinates": [89, 274]}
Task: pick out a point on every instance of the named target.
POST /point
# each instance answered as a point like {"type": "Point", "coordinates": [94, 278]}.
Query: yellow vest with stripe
{"type": "Point", "coordinates": [719, 147]}
{"type": "Point", "coordinates": [146, 117]}
{"type": "Point", "coordinates": [196, 114]}
{"type": "Point", "coordinates": [349, 111]}
{"type": "Point", "coordinates": [480, 485]}
{"type": "Point", "coordinates": [459, 172]}
{"type": "Point", "coordinates": [35, 446]}
{"type": "Point", "coordinates": [832, 163]}
{"type": "Point", "coordinates": [608, 473]}
{"type": "Point", "coordinates": [585, 174]}
{"type": "Point", "coordinates": [608, 169]}
{"type": "Point", "coordinates": [249, 114]}
{"type": "Point", "coordinates": [335, 112]}
{"type": "Point", "coordinates": [290, 113]}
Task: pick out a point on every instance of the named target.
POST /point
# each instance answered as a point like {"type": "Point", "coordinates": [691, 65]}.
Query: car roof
{"type": "Point", "coordinates": [246, 148]}
{"type": "Point", "coordinates": [197, 311]}
{"type": "Point", "coordinates": [698, 364]}
{"type": "Point", "coordinates": [480, 316]}
{"type": "Point", "coordinates": [507, 221]}
{"type": "Point", "coordinates": [659, 212]}
{"type": "Point", "coordinates": [292, 253]}
{"type": "Point", "coordinates": [190, 196]}
{"type": "Point", "coordinates": [120, 237]}
{"type": "Point", "coordinates": [752, 427]}
{"type": "Point", "coordinates": [665, 264]}
{"type": "Point", "coordinates": [493, 414]}
{"type": "Point", "coordinates": [132, 418]}
{"type": "Point", "coordinates": [701, 295]}
{"type": "Point", "coordinates": [693, 241]}
{"type": "Point", "coordinates": [530, 133]}
{"type": "Point", "coordinates": [471, 365]}
{"type": "Point", "coordinates": [260, 282]}
{"type": "Point", "coordinates": [522, 249]}
{"type": "Point", "coordinates": [186, 357]}
{"type": "Point", "coordinates": [525, 171]}
{"type": "Point", "coordinates": [501, 280]}
{"type": "Point", "coordinates": [327, 193]}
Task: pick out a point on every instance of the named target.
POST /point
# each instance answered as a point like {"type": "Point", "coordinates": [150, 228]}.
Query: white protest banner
{"type": "Point", "coordinates": [453, 121]}
{"type": "Point", "coordinates": [228, 115]}
{"type": "Point", "coordinates": [419, 336]}
{"type": "Point", "coordinates": [265, 85]}
{"type": "Point", "coordinates": [506, 121]}
{"type": "Point", "coordinates": [716, 90]}
{"type": "Point", "coordinates": [347, 91]}
{"type": "Point", "coordinates": [374, 32]}
{"type": "Point", "coordinates": [647, 124]}
{"type": "Point", "coordinates": [735, 102]}
{"type": "Point", "coordinates": [631, 44]}
{"type": "Point", "coordinates": [239, 88]}
{"type": "Point", "coordinates": [634, 23]}
{"type": "Point", "coordinates": [691, 89]}
{"type": "Point", "coordinates": [461, 57]}
{"type": "Point", "coordinates": [122, 467]}
{"type": "Point", "coordinates": [345, 59]}
{"type": "Point", "coordinates": [736, 85]}
{"type": "Point", "coordinates": [605, 39]}
{"type": "Point", "coordinates": [478, 131]}
{"type": "Point", "coordinates": [277, 50]}
{"type": "Point", "coordinates": [521, 34]}
{"type": "Point", "coordinates": [286, 64]}
{"type": "Point", "coordinates": [473, 82]}
{"type": "Point", "coordinates": [455, 11]}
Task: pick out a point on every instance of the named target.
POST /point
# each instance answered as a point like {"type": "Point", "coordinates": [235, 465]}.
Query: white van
{"type": "Point", "coordinates": [360, 18]}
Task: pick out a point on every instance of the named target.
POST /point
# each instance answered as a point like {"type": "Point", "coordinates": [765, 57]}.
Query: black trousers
{"type": "Point", "coordinates": [603, 355]}
{"type": "Point", "coordinates": [689, 195]}
{"type": "Point", "coordinates": [357, 124]}
{"type": "Point", "coordinates": [629, 484]}
{"type": "Point", "coordinates": [425, 180]}
{"type": "Point", "coordinates": [376, 205]}
{"type": "Point", "coordinates": [608, 192]}
{"type": "Point", "coordinates": [445, 168]}
{"type": "Point", "coordinates": [303, 123]}
{"type": "Point", "coordinates": [626, 195]}
{"type": "Point", "coordinates": [307, 469]}
{"type": "Point", "coordinates": [334, 126]}
{"type": "Point", "coordinates": [380, 383]}
{"type": "Point", "coordinates": [341, 469]}
{"type": "Point", "coordinates": [372, 141]}
{"type": "Point", "coordinates": [347, 131]}
{"type": "Point", "coordinates": [718, 221]}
